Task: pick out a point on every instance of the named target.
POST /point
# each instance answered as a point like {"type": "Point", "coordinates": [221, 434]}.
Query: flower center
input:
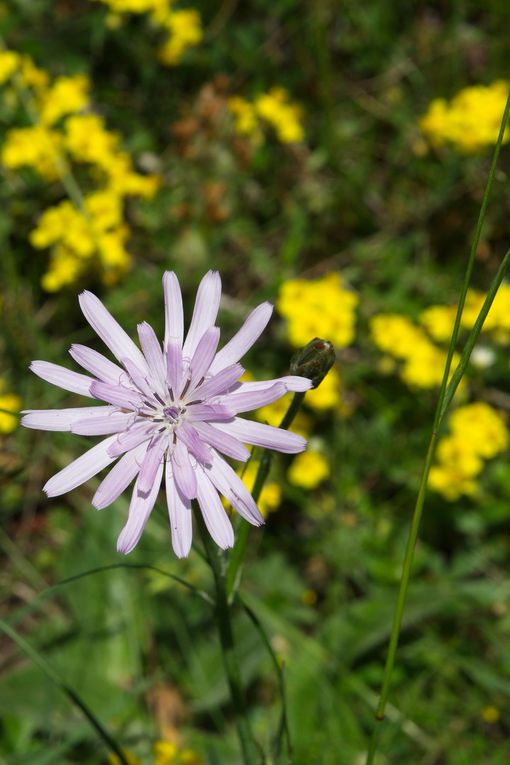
{"type": "Point", "coordinates": [171, 413]}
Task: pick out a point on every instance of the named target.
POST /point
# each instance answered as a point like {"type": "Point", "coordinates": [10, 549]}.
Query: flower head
{"type": "Point", "coordinates": [170, 411]}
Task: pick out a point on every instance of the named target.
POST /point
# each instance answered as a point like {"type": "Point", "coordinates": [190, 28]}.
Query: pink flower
{"type": "Point", "coordinates": [169, 409]}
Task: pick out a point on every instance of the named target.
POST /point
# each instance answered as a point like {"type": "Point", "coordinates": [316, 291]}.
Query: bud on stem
{"type": "Point", "coordinates": [314, 360]}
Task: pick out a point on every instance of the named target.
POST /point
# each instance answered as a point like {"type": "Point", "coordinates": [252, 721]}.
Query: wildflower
{"type": "Point", "coordinates": [9, 63]}
{"type": "Point", "coordinates": [66, 95]}
{"type": "Point", "coordinates": [9, 403]}
{"type": "Point", "coordinates": [283, 115]}
{"type": "Point", "coordinates": [328, 395]}
{"type": "Point", "coordinates": [470, 121]}
{"type": "Point", "coordinates": [477, 433]}
{"type": "Point", "coordinates": [185, 31]}
{"type": "Point", "coordinates": [320, 308]}
{"type": "Point", "coordinates": [491, 714]}
{"type": "Point", "coordinates": [308, 470]}
{"type": "Point", "coordinates": [170, 410]}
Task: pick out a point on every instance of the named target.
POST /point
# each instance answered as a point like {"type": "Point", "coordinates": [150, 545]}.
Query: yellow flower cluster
{"type": "Point", "coordinates": [164, 753]}
{"type": "Point", "coordinates": [270, 496]}
{"type": "Point", "coordinates": [477, 433]}
{"type": "Point", "coordinates": [183, 28]}
{"type": "Point", "coordinates": [93, 235]}
{"type": "Point", "coordinates": [309, 469]}
{"type": "Point", "coordinates": [273, 108]}
{"type": "Point", "coordinates": [321, 308]}
{"type": "Point", "coordinates": [9, 402]}
{"type": "Point", "coordinates": [422, 362]}
{"type": "Point", "coordinates": [470, 121]}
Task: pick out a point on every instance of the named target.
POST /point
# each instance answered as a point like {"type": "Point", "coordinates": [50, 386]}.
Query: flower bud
{"type": "Point", "coordinates": [314, 360]}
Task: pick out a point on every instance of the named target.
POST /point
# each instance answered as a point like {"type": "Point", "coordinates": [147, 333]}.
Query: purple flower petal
{"type": "Point", "coordinates": [114, 422]}
{"type": "Point", "coordinates": [60, 419]}
{"type": "Point", "coordinates": [98, 365]}
{"type": "Point", "coordinates": [183, 471]}
{"type": "Point", "coordinates": [215, 517]}
{"type": "Point", "coordinates": [207, 412]}
{"type": "Point", "coordinates": [194, 444]}
{"type": "Point", "coordinates": [139, 510]}
{"type": "Point", "coordinates": [150, 465]}
{"type": "Point", "coordinates": [292, 383]}
{"type": "Point", "coordinates": [203, 355]}
{"type": "Point", "coordinates": [109, 330]}
{"type": "Point", "coordinates": [220, 383]}
{"type": "Point", "coordinates": [223, 442]}
{"type": "Point", "coordinates": [174, 319]}
{"type": "Point", "coordinates": [267, 436]}
{"type": "Point", "coordinates": [243, 340]}
{"type": "Point", "coordinates": [81, 469]}
{"type": "Point", "coordinates": [154, 355]}
{"type": "Point", "coordinates": [135, 435]}
{"type": "Point", "coordinates": [116, 395]}
{"type": "Point", "coordinates": [245, 402]}
{"type": "Point", "coordinates": [179, 512]}
{"type": "Point", "coordinates": [119, 477]}
{"type": "Point", "coordinates": [62, 377]}
{"type": "Point", "coordinates": [174, 366]}
{"type": "Point", "coordinates": [205, 311]}
{"type": "Point", "coordinates": [232, 487]}
{"type": "Point", "coordinates": [139, 380]}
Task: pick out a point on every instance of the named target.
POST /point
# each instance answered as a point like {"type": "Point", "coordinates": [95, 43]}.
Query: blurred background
{"type": "Point", "coordinates": [331, 158]}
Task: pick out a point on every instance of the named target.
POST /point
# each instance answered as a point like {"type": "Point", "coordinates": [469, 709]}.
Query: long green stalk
{"type": "Point", "coordinates": [446, 393]}
{"type": "Point", "coordinates": [232, 671]}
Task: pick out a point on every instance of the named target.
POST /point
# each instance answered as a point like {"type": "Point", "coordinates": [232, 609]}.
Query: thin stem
{"type": "Point", "coordinates": [446, 393]}
{"type": "Point", "coordinates": [234, 570]}
{"type": "Point", "coordinates": [222, 612]}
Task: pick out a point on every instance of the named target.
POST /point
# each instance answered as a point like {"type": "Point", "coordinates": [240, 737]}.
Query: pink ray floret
{"type": "Point", "coordinates": [170, 412]}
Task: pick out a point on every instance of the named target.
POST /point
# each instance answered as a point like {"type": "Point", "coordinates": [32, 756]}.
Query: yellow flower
{"type": "Point", "coordinates": [87, 140]}
{"type": "Point", "coordinates": [308, 470]}
{"type": "Point", "coordinates": [185, 31]}
{"type": "Point", "coordinates": [284, 116]}
{"type": "Point", "coordinates": [245, 117]}
{"type": "Point", "coordinates": [438, 320]}
{"type": "Point", "coordinates": [320, 308]}
{"type": "Point", "coordinates": [9, 63]}
{"type": "Point", "coordinates": [477, 433]}
{"type": "Point", "coordinates": [11, 403]}
{"type": "Point", "coordinates": [35, 147]}
{"type": "Point", "coordinates": [113, 759]}
{"type": "Point", "coordinates": [470, 121]}
{"type": "Point", "coordinates": [66, 95]}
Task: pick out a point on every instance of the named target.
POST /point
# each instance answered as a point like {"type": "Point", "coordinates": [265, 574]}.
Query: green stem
{"type": "Point", "coordinates": [222, 612]}
{"type": "Point", "coordinates": [234, 570]}
{"type": "Point", "coordinates": [446, 393]}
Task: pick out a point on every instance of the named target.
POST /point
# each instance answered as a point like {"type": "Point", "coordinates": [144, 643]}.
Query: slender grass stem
{"type": "Point", "coordinates": [222, 612]}
{"type": "Point", "coordinates": [446, 393]}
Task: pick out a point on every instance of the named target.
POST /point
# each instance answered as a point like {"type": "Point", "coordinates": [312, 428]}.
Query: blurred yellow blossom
{"type": "Point", "coordinates": [273, 108]}
{"type": "Point", "coordinates": [183, 26]}
{"type": "Point", "coordinates": [398, 336]}
{"type": "Point", "coordinates": [131, 759]}
{"type": "Point", "coordinates": [185, 31]}
{"type": "Point", "coordinates": [491, 714]}
{"type": "Point", "coordinates": [11, 403]}
{"type": "Point", "coordinates": [9, 63]}
{"type": "Point", "coordinates": [94, 229]}
{"type": "Point", "coordinates": [320, 308]}
{"type": "Point", "coordinates": [308, 469]}
{"type": "Point", "coordinates": [477, 433]}
{"type": "Point", "coordinates": [66, 95]}
{"type": "Point", "coordinates": [438, 320]}
{"type": "Point", "coordinates": [470, 121]}
{"type": "Point", "coordinates": [35, 147]}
